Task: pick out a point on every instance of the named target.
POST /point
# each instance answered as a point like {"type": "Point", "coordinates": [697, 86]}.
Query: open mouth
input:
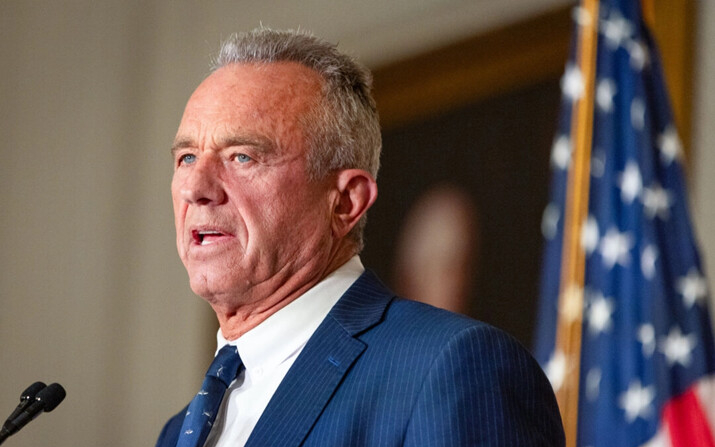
{"type": "Point", "coordinates": [206, 237]}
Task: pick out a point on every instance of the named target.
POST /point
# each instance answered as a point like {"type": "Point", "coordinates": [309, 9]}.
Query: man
{"type": "Point", "coordinates": [275, 162]}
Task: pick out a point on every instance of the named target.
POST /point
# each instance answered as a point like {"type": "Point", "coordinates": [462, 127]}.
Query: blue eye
{"type": "Point", "coordinates": [242, 158]}
{"type": "Point", "coordinates": [187, 159]}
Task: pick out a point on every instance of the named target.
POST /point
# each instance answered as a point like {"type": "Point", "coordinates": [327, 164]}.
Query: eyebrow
{"type": "Point", "coordinates": [259, 142]}
{"type": "Point", "coordinates": [181, 143]}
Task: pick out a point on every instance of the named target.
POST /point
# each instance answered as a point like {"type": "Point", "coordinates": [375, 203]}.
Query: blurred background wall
{"type": "Point", "coordinates": [92, 294]}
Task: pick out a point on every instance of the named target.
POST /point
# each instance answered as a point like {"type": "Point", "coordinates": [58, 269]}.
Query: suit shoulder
{"type": "Point", "coordinates": [476, 372]}
{"type": "Point", "coordinates": [437, 324]}
{"type": "Point", "coordinates": [458, 339]}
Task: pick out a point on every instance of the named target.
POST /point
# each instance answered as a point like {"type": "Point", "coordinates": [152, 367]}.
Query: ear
{"type": "Point", "coordinates": [356, 192]}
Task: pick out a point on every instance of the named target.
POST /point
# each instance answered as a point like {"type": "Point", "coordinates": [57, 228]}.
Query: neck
{"type": "Point", "coordinates": [236, 320]}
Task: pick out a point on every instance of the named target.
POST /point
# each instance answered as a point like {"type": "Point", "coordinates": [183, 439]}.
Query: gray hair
{"type": "Point", "coordinates": [343, 131]}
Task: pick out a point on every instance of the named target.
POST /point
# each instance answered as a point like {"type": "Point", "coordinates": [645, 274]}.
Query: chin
{"type": "Point", "coordinates": [203, 285]}
{"type": "Point", "coordinates": [211, 286]}
{"type": "Point", "coordinates": [201, 290]}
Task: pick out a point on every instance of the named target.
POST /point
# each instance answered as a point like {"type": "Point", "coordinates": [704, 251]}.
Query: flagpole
{"type": "Point", "coordinates": [568, 335]}
{"type": "Point", "coordinates": [648, 8]}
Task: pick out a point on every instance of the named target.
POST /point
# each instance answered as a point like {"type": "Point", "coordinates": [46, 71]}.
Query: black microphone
{"type": "Point", "coordinates": [46, 400]}
{"type": "Point", "coordinates": [26, 398]}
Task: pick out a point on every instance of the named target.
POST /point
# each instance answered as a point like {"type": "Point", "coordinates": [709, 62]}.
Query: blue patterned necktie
{"type": "Point", "coordinates": [203, 408]}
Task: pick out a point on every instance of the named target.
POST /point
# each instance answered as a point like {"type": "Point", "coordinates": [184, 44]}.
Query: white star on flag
{"type": "Point", "coordinates": [561, 152]}
{"type": "Point", "coordinates": [572, 84]}
{"type": "Point", "coordinates": [648, 259]}
{"type": "Point", "coordinates": [593, 384]}
{"type": "Point", "coordinates": [637, 401]}
{"type": "Point", "coordinates": [598, 163]}
{"type": "Point", "coordinates": [616, 30]}
{"type": "Point", "coordinates": [657, 201]}
{"type": "Point", "coordinates": [638, 113]}
{"type": "Point", "coordinates": [599, 313]}
{"type": "Point", "coordinates": [678, 348]}
{"type": "Point", "coordinates": [605, 91]}
{"type": "Point", "coordinates": [646, 335]}
{"type": "Point", "coordinates": [630, 182]}
{"type": "Point", "coordinates": [669, 145]}
{"type": "Point", "coordinates": [639, 54]}
{"type": "Point", "coordinates": [589, 235]}
{"type": "Point", "coordinates": [556, 370]}
{"type": "Point", "coordinates": [615, 247]}
{"type": "Point", "coordinates": [550, 221]}
{"type": "Point", "coordinates": [693, 287]}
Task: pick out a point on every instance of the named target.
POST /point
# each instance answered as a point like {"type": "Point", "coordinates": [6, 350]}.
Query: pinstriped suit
{"type": "Point", "coordinates": [382, 371]}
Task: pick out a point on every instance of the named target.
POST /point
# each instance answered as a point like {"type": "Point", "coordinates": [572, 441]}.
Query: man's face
{"type": "Point", "coordinates": [247, 216]}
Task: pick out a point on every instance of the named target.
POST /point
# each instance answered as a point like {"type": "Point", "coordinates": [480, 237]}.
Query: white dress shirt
{"type": "Point", "coordinates": [269, 350]}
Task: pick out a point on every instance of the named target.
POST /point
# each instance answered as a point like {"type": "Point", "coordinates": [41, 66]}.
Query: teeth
{"type": "Point", "coordinates": [203, 234]}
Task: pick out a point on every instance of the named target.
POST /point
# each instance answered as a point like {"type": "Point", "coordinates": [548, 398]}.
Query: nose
{"type": "Point", "coordinates": [201, 183]}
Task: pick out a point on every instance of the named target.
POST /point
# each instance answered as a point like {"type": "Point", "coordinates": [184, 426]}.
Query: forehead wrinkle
{"type": "Point", "coordinates": [208, 122]}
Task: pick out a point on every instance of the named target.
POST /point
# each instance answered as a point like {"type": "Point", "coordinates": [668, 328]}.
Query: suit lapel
{"type": "Point", "coordinates": [320, 368]}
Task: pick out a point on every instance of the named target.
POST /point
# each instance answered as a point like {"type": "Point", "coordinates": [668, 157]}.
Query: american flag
{"type": "Point", "coordinates": [647, 357]}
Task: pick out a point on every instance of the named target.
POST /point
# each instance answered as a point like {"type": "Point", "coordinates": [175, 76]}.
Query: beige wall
{"type": "Point", "coordinates": [703, 166]}
{"type": "Point", "coordinates": [92, 294]}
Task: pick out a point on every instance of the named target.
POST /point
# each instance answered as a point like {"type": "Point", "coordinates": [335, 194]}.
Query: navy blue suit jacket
{"type": "Point", "coordinates": [383, 371]}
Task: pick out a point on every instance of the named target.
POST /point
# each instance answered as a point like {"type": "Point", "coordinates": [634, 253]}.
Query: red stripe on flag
{"type": "Point", "coordinates": [687, 423]}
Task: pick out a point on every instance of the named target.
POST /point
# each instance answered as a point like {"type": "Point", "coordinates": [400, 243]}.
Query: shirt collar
{"type": "Point", "coordinates": [287, 331]}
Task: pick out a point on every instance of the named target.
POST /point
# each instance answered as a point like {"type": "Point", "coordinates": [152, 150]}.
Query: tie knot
{"type": "Point", "coordinates": [225, 365]}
